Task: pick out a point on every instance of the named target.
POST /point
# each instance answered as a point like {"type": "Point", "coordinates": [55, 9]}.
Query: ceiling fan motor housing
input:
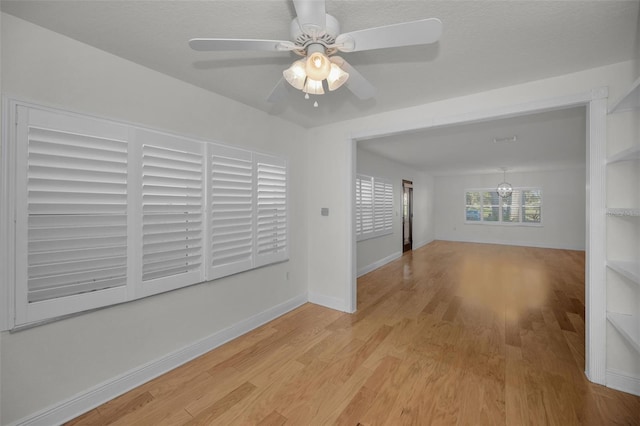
{"type": "Point", "coordinates": [325, 36]}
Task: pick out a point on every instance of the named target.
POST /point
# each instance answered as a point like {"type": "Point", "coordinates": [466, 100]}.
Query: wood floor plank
{"type": "Point", "coordinates": [206, 417]}
{"type": "Point", "coordinates": [449, 334]}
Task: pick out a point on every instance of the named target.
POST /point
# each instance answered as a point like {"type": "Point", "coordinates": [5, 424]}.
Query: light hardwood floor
{"type": "Point", "coordinates": [451, 333]}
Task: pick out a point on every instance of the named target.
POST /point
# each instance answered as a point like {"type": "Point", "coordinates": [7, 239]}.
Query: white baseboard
{"type": "Point", "coordinates": [420, 244]}
{"type": "Point", "coordinates": [379, 263]}
{"type": "Point", "coordinates": [623, 382]}
{"type": "Point", "coordinates": [328, 302]}
{"type": "Point", "coordinates": [110, 389]}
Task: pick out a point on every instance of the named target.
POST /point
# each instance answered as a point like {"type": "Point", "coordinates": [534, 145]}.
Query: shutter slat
{"type": "Point", "coordinates": [61, 256]}
{"type": "Point", "coordinates": [168, 272]}
{"type": "Point", "coordinates": [79, 243]}
{"type": "Point", "coordinates": [73, 289]}
{"type": "Point", "coordinates": [62, 174]}
{"type": "Point", "coordinates": [44, 270]}
{"type": "Point", "coordinates": [51, 148]}
{"type": "Point", "coordinates": [53, 136]}
{"type": "Point", "coordinates": [75, 163]}
{"type": "Point", "coordinates": [37, 184]}
{"type": "Point", "coordinates": [67, 232]}
{"type": "Point", "coordinates": [76, 278]}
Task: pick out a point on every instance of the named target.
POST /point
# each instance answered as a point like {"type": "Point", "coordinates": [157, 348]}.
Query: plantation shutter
{"type": "Point", "coordinates": [358, 207]}
{"type": "Point", "coordinates": [272, 210]}
{"type": "Point", "coordinates": [378, 205]}
{"type": "Point", "coordinates": [71, 248]}
{"type": "Point", "coordinates": [374, 207]}
{"type": "Point", "coordinates": [231, 206]}
{"type": "Point", "coordinates": [388, 207]}
{"type": "Point", "coordinates": [172, 211]}
{"type": "Point", "coordinates": [366, 205]}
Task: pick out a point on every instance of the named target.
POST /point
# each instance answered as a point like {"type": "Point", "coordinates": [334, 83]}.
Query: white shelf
{"type": "Point", "coordinates": [630, 154]}
{"type": "Point", "coordinates": [628, 326]}
{"type": "Point", "coordinates": [630, 270]}
{"type": "Point", "coordinates": [623, 212]}
{"type": "Point", "coordinates": [630, 100]}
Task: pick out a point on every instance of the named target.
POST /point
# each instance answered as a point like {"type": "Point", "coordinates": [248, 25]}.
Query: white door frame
{"type": "Point", "coordinates": [595, 102]}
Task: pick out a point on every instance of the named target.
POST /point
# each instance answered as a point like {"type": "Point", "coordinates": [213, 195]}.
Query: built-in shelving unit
{"type": "Point", "coordinates": [623, 168]}
{"type": "Point", "coordinates": [629, 101]}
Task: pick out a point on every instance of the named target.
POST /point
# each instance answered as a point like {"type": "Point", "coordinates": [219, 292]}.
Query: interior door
{"type": "Point", "coordinates": [407, 215]}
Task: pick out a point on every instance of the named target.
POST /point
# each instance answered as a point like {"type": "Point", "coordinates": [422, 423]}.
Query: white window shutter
{"type": "Point", "coordinates": [388, 207]}
{"type": "Point", "coordinates": [272, 210]}
{"type": "Point", "coordinates": [72, 242]}
{"type": "Point", "coordinates": [374, 207]}
{"type": "Point", "coordinates": [378, 205]}
{"type": "Point", "coordinates": [366, 206]}
{"type": "Point", "coordinates": [358, 207]}
{"type": "Point", "coordinates": [231, 180]}
{"type": "Point", "coordinates": [108, 212]}
{"type": "Point", "coordinates": [172, 196]}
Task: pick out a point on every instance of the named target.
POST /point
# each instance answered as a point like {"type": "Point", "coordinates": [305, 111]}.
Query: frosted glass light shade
{"type": "Point", "coordinates": [295, 74]}
{"type": "Point", "coordinates": [336, 78]}
{"type": "Point", "coordinates": [505, 189]}
{"type": "Point", "coordinates": [313, 87]}
{"type": "Point", "coordinates": [317, 66]}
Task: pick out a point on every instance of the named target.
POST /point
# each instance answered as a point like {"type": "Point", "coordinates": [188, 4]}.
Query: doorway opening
{"type": "Point", "coordinates": [595, 101]}
{"type": "Point", "coordinates": [407, 215]}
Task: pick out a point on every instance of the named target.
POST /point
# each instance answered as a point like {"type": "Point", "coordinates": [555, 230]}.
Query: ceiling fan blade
{"type": "Point", "coordinates": [311, 16]}
{"type": "Point", "coordinates": [358, 85]}
{"type": "Point", "coordinates": [280, 92]}
{"type": "Point", "coordinates": [227, 44]}
{"type": "Point", "coordinates": [424, 31]}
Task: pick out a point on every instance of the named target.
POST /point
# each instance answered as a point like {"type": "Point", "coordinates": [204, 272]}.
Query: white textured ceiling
{"type": "Point", "coordinates": [544, 141]}
{"type": "Point", "coordinates": [485, 45]}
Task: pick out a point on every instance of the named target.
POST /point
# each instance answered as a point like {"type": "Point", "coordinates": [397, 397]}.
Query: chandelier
{"type": "Point", "coordinates": [504, 188]}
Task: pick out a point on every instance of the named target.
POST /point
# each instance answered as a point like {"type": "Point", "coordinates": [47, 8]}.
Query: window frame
{"type": "Point", "coordinates": [16, 312]}
{"type": "Point", "coordinates": [500, 221]}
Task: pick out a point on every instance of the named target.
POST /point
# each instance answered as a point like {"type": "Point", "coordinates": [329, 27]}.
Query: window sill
{"type": "Point", "coordinates": [518, 224]}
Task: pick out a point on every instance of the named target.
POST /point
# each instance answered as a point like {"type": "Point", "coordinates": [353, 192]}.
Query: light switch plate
{"type": "Point", "coordinates": [324, 211]}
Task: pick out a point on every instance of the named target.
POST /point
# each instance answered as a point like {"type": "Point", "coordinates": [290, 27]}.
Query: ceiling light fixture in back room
{"type": "Point", "coordinates": [504, 188]}
{"type": "Point", "coordinates": [316, 38]}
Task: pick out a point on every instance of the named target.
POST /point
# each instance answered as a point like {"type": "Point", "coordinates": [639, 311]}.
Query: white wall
{"type": "Point", "coordinates": [563, 210]}
{"type": "Point", "coordinates": [374, 252]}
{"type": "Point", "coordinates": [49, 363]}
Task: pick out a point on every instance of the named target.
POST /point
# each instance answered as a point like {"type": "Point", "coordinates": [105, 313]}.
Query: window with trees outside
{"type": "Point", "coordinates": [522, 207]}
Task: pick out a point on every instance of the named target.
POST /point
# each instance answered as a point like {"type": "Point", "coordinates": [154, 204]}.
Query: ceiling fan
{"type": "Point", "coordinates": [316, 38]}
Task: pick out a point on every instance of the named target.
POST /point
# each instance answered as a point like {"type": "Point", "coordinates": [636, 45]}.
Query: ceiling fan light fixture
{"type": "Point", "coordinates": [295, 74]}
{"type": "Point", "coordinates": [336, 78]}
{"type": "Point", "coordinates": [313, 87]}
{"type": "Point", "coordinates": [318, 66]}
